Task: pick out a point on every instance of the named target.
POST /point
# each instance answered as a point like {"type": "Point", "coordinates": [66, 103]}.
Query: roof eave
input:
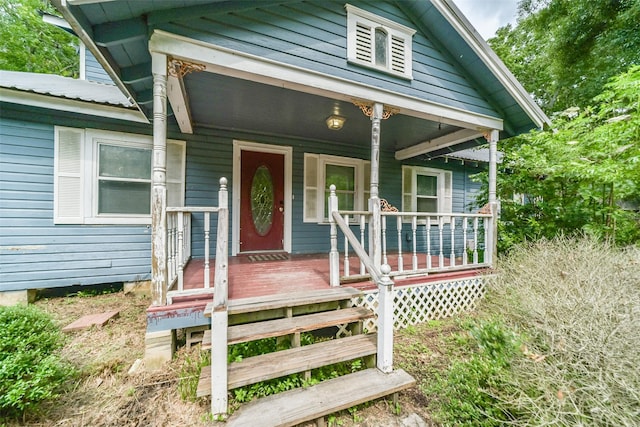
{"type": "Point", "coordinates": [460, 23]}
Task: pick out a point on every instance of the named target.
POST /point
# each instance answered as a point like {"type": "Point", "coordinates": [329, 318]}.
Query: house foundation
{"type": "Point", "coordinates": [26, 296]}
{"type": "Point", "coordinates": [159, 348]}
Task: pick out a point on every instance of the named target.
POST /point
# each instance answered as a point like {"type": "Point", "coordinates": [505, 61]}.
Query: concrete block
{"type": "Point", "coordinates": [159, 348]}
{"type": "Point", "coordinates": [26, 296]}
{"type": "Point", "coordinates": [140, 289]}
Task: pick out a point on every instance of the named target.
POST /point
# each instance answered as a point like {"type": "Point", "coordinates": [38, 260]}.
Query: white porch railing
{"type": "Point", "coordinates": [179, 235]}
{"type": "Point", "coordinates": [415, 243]}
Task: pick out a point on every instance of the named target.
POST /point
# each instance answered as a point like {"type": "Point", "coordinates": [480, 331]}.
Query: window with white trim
{"type": "Point", "coordinates": [426, 190]}
{"type": "Point", "coordinates": [103, 177]}
{"type": "Point", "coordinates": [350, 176]}
{"type": "Point", "coordinates": [379, 43]}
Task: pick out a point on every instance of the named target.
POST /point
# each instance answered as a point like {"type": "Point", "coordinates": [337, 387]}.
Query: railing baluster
{"type": "Point", "coordinates": [440, 230]}
{"type": "Point", "coordinates": [414, 257]}
{"type": "Point", "coordinates": [384, 240]}
{"type": "Point", "coordinates": [464, 239]}
{"type": "Point", "coordinates": [475, 240]}
{"type": "Point", "coordinates": [207, 219]}
{"type": "Point", "coordinates": [428, 227]}
{"type": "Point", "coordinates": [486, 238]}
{"type": "Point", "coordinates": [400, 260]}
{"type": "Point", "coordinates": [363, 223]}
{"type": "Point", "coordinates": [347, 267]}
{"type": "Point", "coordinates": [171, 259]}
{"type": "Point", "coordinates": [180, 251]}
{"type": "Point", "coordinates": [452, 228]}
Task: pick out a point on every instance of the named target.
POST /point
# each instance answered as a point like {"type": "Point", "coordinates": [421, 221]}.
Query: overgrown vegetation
{"type": "Point", "coordinates": [31, 370]}
{"type": "Point", "coordinates": [579, 177]}
{"type": "Point", "coordinates": [555, 343]}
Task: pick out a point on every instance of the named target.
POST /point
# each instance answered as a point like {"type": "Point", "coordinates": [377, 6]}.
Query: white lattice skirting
{"type": "Point", "coordinates": [421, 303]}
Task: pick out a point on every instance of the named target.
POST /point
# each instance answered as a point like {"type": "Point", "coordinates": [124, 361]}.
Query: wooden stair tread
{"type": "Point", "coordinates": [296, 406]}
{"type": "Point", "coordinates": [280, 363]}
{"type": "Point", "coordinates": [292, 299]}
{"type": "Point", "coordinates": [290, 325]}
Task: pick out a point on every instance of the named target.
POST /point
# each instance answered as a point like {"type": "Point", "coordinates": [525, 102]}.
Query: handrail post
{"type": "Point", "coordinates": [385, 320]}
{"type": "Point", "coordinates": [334, 255]}
{"type": "Point", "coordinates": [219, 316]}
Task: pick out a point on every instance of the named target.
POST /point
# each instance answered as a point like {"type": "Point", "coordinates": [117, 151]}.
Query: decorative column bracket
{"type": "Point", "coordinates": [367, 109]}
{"type": "Point", "coordinates": [180, 68]}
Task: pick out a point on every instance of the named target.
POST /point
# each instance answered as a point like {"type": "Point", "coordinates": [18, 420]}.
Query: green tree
{"type": "Point", "coordinates": [565, 51]}
{"type": "Point", "coordinates": [30, 44]}
{"type": "Point", "coordinates": [583, 175]}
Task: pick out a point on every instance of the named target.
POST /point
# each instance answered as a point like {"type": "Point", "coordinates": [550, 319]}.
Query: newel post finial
{"type": "Point", "coordinates": [223, 194]}
{"type": "Point", "coordinates": [385, 320]}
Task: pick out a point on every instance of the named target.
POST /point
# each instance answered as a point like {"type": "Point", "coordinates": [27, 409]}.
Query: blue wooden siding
{"type": "Point", "coordinates": [35, 253]}
{"type": "Point", "coordinates": [94, 71]}
{"type": "Point", "coordinates": [313, 36]}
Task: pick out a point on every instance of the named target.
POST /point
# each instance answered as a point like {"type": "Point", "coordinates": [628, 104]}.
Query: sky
{"type": "Point", "coordinates": [488, 15]}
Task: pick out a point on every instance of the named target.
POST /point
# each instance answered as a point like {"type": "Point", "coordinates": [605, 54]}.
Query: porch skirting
{"type": "Point", "coordinates": [419, 303]}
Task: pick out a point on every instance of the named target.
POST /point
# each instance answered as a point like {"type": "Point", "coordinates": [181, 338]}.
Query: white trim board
{"type": "Point", "coordinates": [238, 147]}
{"type": "Point", "coordinates": [254, 68]}
{"type": "Point", "coordinates": [71, 105]}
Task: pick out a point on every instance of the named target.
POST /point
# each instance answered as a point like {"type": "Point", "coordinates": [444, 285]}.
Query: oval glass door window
{"type": "Point", "coordinates": [262, 200]}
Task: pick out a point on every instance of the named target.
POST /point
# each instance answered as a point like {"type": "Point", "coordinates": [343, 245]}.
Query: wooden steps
{"type": "Point", "coordinates": [285, 362]}
{"type": "Point", "coordinates": [305, 404]}
{"type": "Point", "coordinates": [291, 325]}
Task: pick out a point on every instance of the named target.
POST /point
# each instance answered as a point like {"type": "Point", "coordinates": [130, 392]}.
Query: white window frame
{"type": "Point", "coordinates": [444, 188]}
{"type": "Point", "coordinates": [399, 40]}
{"type": "Point", "coordinates": [84, 196]}
{"type": "Point", "coordinates": [322, 160]}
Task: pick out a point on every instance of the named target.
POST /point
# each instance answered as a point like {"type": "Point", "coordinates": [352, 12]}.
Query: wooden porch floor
{"type": "Point", "coordinates": [297, 273]}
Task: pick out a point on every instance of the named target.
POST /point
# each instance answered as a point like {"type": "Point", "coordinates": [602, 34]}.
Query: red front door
{"type": "Point", "coordinates": [261, 201]}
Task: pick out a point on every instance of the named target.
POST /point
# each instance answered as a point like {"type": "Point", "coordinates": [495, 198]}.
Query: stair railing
{"type": "Point", "coordinates": [384, 356]}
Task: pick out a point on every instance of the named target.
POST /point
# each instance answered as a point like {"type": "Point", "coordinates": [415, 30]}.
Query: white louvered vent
{"type": "Point", "coordinates": [397, 54]}
{"type": "Point", "coordinates": [364, 43]}
{"type": "Point", "coordinates": [394, 54]}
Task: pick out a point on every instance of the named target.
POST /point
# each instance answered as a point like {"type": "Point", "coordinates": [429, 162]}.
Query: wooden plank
{"type": "Point", "coordinates": [305, 404]}
{"type": "Point", "coordinates": [292, 299]}
{"type": "Point", "coordinates": [206, 340]}
{"type": "Point", "coordinates": [291, 361]}
{"type": "Point", "coordinates": [291, 325]}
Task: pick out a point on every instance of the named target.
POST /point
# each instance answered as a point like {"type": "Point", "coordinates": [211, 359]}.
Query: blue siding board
{"type": "Point", "coordinates": [302, 40]}
{"type": "Point", "coordinates": [94, 71]}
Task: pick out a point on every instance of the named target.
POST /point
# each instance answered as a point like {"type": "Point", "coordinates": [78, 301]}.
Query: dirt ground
{"type": "Point", "coordinates": [105, 394]}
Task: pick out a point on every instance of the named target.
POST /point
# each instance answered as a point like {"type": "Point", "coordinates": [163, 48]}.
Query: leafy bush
{"type": "Point", "coordinates": [30, 369]}
{"type": "Point", "coordinates": [468, 389]}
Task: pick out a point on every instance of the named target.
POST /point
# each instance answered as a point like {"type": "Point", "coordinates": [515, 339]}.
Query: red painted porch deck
{"type": "Point", "coordinates": [296, 273]}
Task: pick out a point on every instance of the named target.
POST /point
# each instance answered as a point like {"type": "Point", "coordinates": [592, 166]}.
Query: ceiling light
{"type": "Point", "coordinates": [335, 122]}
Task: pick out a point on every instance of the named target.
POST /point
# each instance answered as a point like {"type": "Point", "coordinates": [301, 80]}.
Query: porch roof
{"type": "Point", "coordinates": [119, 34]}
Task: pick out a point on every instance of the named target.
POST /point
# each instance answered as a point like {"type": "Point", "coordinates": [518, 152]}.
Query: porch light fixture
{"type": "Point", "coordinates": [335, 122]}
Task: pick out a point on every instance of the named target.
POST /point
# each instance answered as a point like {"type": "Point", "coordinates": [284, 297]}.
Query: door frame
{"type": "Point", "coordinates": [287, 151]}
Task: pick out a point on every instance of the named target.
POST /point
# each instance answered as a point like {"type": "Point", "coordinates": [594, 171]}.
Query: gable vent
{"type": "Point", "coordinates": [363, 43]}
{"type": "Point", "coordinates": [397, 54]}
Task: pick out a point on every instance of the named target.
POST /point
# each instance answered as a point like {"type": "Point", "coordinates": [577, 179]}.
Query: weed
{"type": "Point", "coordinates": [194, 360]}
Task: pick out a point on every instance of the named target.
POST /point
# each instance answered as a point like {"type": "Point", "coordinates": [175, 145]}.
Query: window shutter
{"type": "Point", "coordinates": [311, 190]}
{"type": "Point", "coordinates": [68, 189]}
{"type": "Point", "coordinates": [448, 193]}
{"type": "Point", "coordinates": [397, 54]}
{"type": "Point", "coordinates": [364, 42]}
{"type": "Point", "coordinates": [175, 173]}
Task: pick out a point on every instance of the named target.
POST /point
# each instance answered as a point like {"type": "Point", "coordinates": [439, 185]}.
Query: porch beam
{"type": "Point", "coordinates": [159, 272]}
{"type": "Point", "coordinates": [425, 147]}
{"type": "Point", "coordinates": [177, 94]}
{"type": "Point", "coordinates": [233, 63]}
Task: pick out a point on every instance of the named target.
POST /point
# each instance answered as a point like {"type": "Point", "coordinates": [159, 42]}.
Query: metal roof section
{"type": "Point", "coordinates": [480, 154]}
{"type": "Point", "coordinates": [64, 87]}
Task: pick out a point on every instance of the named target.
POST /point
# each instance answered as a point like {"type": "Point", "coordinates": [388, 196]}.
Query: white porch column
{"type": "Point", "coordinates": [492, 137]}
{"type": "Point", "coordinates": [375, 227]}
{"type": "Point", "coordinates": [159, 182]}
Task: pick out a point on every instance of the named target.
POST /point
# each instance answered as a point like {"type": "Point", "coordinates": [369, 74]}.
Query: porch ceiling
{"type": "Point", "coordinates": [225, 102]}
